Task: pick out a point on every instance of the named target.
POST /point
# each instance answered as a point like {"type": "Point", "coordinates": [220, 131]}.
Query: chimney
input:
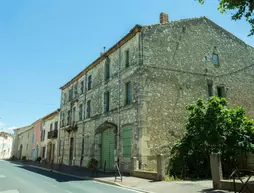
{"type": "Point", "coordinates": [163, 18]}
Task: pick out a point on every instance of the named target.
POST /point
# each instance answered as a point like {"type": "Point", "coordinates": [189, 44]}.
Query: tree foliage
{"type": "Point", "coordinates": [212, 128]}
{"type": "Point", "coordinates": [242, 8]}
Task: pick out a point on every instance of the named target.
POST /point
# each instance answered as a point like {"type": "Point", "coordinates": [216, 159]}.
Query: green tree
{"type": "Point", "coordinates": [241, 8]}
{"type": "Point", "coordinates": [212, 127]}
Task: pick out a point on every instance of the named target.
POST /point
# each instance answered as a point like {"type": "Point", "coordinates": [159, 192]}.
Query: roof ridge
{"type": "Point", "coordinates": [176, 21]}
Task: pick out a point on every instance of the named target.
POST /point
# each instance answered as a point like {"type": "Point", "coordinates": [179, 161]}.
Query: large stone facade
{"type": "Point", "coordinates": [171, 65]}
{"type": "Point", "coordinates": [178, 66]}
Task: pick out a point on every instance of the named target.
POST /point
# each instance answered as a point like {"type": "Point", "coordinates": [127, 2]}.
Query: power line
{"type": "Point", "coordinates": [26, 102]}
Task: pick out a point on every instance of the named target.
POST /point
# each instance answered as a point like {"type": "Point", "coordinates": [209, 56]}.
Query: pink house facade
{"type": "Point", "coordinates": [36, 138]}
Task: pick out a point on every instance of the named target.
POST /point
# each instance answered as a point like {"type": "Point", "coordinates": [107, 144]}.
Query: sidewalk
{"type": "Point", "coordinates": [130, 182]}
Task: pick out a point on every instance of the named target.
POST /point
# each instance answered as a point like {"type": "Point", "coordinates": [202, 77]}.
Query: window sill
{"type": "Point", "coordinates": [127, 106]}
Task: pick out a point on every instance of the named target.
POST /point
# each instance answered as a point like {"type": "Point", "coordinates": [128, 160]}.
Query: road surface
{"type": "Point", "coordinates": [16, 178]}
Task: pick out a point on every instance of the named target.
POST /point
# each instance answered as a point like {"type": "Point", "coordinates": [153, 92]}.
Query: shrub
{"type": "Point", "coordinates": [212, 128]}
{"type": "Point", "coordinates": [23, 158]}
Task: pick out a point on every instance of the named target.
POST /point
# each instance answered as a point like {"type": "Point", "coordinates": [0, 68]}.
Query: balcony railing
{"type": "Point", "coordinates": [52, 134]}
{"type": "Point", "coordinates": [71, 127]}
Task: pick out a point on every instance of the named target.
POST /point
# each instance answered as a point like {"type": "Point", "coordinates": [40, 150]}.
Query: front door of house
{"type": "Point", "coordinates": [107, 150]}
{"type": "Point", "coordinates": [71, 151]}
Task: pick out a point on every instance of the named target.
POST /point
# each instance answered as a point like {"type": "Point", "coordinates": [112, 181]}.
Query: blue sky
{"type": "Point", "coordinates": [43, 44]}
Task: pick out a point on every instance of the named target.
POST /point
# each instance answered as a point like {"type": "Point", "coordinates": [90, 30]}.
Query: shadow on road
{"type": "Point", "coordinates": [53, 175]}
{"type": "Point", "coordinates": [209, 190]}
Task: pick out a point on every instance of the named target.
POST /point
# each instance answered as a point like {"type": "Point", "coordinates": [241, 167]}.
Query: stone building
{"type": "Point", "coordinates": [131, 100]}
{"type": "Point", "coordinates": [49, 134]}
{"type": "Point", "coordinates": [5, 145]}
{"type": "Point", "coordinates": [22, 144]}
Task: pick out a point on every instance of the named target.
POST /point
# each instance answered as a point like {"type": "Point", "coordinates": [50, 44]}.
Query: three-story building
{"type": "Point", "coordinates": [49, 135]}
{"type": "Point", "coordinates": [131, 100]}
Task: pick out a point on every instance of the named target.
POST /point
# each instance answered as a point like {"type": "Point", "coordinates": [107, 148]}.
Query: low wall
{"type": "Point", "coordinates": [145, 174]}
{"type": "Point", "coordinates": [220, 183]}
{"type": "Point", "coordinates": [229, 185]}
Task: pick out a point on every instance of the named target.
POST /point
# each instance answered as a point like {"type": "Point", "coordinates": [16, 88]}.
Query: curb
{"type": "Point", "coordinates": [88, 178]}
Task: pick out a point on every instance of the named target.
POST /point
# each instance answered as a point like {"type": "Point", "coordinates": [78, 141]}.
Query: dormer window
{"type": "Point", "coordinates": [215, 59]}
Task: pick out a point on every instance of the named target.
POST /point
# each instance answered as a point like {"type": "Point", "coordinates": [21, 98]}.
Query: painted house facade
{"type": "Point", "coordinates": [6, 140]}
{"type": "Point", "coordinates": [25, 142]}
{"type": "Point", "coordinates": [36, 139]}
{"type": "Point", "coordinates": [49, 135]}
{"type": "Point", "coordinates": [130, 102]}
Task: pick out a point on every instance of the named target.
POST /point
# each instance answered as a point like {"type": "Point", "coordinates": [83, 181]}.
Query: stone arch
{"type": "Point", "coordinates": [105, 143]}
{"type": "Point", "coordinates": [105, 125]}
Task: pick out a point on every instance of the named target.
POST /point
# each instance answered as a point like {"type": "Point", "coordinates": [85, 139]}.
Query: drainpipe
{"type": "Point", "coordinates": [139, 98]}
{"type": "Point", "coordinates": [83, 124]}
{"type": "Point", "coordinates": [119, 104]}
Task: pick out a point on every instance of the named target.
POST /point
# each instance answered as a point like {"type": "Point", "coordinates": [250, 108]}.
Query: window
{"type": "Point", "coordinates": [127, 59]}
{"type": "Point", "coordinates": [81, 87]}
{"type": "Point", "coordinates": [89, 84]}
{"type": "Point", "coordinates": [210, 89]}
{"type": "Point", "coordinates": [76, 90]}
{"type": "Point", "coordinates": [56, 125]}
{"type": "Point", "coordinates": [215, 59]}
{"type": "Point", "coordinates": [42, 135]}
{"type": "Point", "coordinates": [62, 119]}
{"type": "Point", "coordinates": [221, 91]}
{"type": "Point", "coordinates": [88, 109]}
{"type": "Point", "coordinates": [51, 126]}
{"type": "Point", "coordinates": [128, 93]}
{"type": "Point", "coordinates": [70, 94]}
{"type": "Point", "coordinates": [74, 114]}
{"type": "Point", "coordinates": [69, 117]}
{"type": "Point", "coordinates": [26, 146]}
{"type": "Point", "coordinates": [64, 98]}
{"type": "Point", "coordinates": [28, 135]}
{"type": "Point", "coordinates": [107, 69]}
{"type": "Point", "coordinates": [59, 148]}
{"type": "Point", "coordinates": [80, 112]}
{"type": "Point", "coordinates": [106, 102]}
{"type": "Point", "coordinates": [43, 152]}
{"type": "Point", "coordinates": [33, 138]}
{"type": "Point", "coordinates": [127, 142]}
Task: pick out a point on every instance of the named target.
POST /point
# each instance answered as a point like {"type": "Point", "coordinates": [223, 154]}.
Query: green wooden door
{"type": "Point", "coordinates": [127, 136]}
{"type": "Point", "coordinates": [107, 150]}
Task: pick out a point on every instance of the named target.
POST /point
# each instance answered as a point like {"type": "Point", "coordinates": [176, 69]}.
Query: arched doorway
{"type": "Point", "coordinates": [49, 152]}
{"type": "Point", "coordinates": [108, 144]}
{"type": "Point", "coordinates": [20, 151]}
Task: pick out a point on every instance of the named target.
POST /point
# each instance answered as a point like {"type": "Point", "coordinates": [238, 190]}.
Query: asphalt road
{"type": "Point", "coordinates": [16, 178]}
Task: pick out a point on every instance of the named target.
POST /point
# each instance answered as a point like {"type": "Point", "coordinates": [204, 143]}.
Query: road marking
{"type": "Point", "coordinates": [68, 191]}
{"type": "Point", "coordinates": [10, 191]}
{"type": "Point", "coordinates": [2, 176]}
{"type": "Point", "coordinates": [117, 186]}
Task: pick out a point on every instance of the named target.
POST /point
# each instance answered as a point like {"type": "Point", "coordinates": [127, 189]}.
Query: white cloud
{"type": "Point", "coordinates": [6, 129]}
{"type": "Point", "coordinates": [11, 128]}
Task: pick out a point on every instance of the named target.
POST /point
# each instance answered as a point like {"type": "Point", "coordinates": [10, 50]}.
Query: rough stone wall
{"type": "Point", "coordinates": [128, 114]}
{"type": "Point", "coordinates": [176, 73]}
{"type": "Point", "coordinates": [25, 139]}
